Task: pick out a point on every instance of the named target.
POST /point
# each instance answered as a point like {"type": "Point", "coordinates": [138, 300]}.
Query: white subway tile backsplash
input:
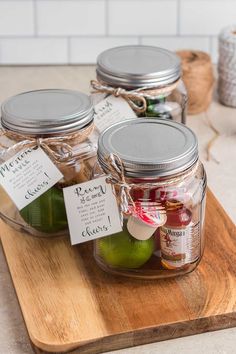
{"type": "Point", "coordinates": [76, 31]}
{"type": "Point", "coordinates": [206, 17]}
{"type": "Point", "coordinates": [142, 17]}
{"type": "Point", "coordinates": [34, 51]}
{"type": "Point", "coordinates": [16, 18]}
{"type": "Point", "coordinates": [177, 43]}
{"type": "Point", "coordinates": [86, 50]}
{"type": "Point", "coordinates": [70, 17]}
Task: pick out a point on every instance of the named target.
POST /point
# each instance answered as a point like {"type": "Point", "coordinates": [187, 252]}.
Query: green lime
{"type": "Point", "coordinates": [123, 250]}
{"type": "Point", "coordinates": [46, 213]}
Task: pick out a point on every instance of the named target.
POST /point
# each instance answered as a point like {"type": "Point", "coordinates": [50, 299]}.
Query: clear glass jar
{"type": "Point", "coordinates": [149, 78]}
{"type": "Point", "coordinates": [165, 184]}
{"type": "Point", "coordinates": [65, 117]}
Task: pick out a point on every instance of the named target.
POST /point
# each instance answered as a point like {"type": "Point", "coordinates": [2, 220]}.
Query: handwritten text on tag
{"type": "Point", "coordinates": [112, 110]}
{"type": "Point", "coordinates": [27, 175]}
{"type": "Point", "coordinates": [92, 210]}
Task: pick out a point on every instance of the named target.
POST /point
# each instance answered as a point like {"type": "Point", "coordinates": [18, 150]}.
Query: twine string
{"type": "Point", "coordinates": [136, 101]}
{"type": "Point", "coordinates": [116, 177]}
{"type": "Point", "coordinates": [212, 140]}
{"type": "Point", "coordinates": [198, 78]}
{"type": "Point", "coordinates": [136, 98]}
{"type": "Point", "coordinates": [48, 144]}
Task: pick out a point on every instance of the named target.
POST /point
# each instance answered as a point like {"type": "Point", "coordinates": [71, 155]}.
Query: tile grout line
{"type": "Point", "coordinates": [43, 36]}
{"type": "Point", "coordinates": [95, 0]}
{"type": "Point", "coordinates": [69, 58]}
{"type": "Point", "coordinates": [106, 18]}
{"type": "Point", "coordinates": [210, 39]}
{"type": "Point", "coordinates": [35, 19]}
{"type": "Point", "coordinates": [178, 18]}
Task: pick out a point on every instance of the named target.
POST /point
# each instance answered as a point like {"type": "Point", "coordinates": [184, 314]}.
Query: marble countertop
{"type": "Point", "coordinates": [221, 172]}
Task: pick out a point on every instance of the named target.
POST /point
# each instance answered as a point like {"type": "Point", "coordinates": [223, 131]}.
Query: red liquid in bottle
{"type": "Point", "coordinates": [176, 236]}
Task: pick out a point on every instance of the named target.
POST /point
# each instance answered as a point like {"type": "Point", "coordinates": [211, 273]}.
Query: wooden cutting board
{"type": "Point", "coordinates": [68, 302]}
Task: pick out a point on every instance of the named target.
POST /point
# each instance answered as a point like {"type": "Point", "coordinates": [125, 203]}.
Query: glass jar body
{"type": "Point", "coordinates": [176, 247]}
{"type": "Point", "coordinates": [46, 215]}
{"type": "Point", "coordinates": [165, 102]}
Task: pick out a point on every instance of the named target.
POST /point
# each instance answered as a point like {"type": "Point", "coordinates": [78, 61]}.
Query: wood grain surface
{"type": "Point", "coordinates": [69, 303]}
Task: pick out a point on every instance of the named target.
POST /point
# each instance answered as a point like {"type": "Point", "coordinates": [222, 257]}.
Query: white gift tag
{"type": "Point", "coordinates": [112, 110]}
{"type": "Point", "coordinates": [92, 210]}
{"type": "Point", "coordinates": [27, 175]}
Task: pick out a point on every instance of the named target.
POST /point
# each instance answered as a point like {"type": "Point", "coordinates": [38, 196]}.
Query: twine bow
{"type": "Point", "coordinates": [48, 143]}
{"type": "Point", "coordinates": [116, 177]}
{"type": "Point", "coordinates": [127, 206]}
{"type": "Point", "coordinates": [135, 98]}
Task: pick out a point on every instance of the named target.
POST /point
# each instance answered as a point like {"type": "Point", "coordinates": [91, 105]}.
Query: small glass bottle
{"type": "Point", "coordinates": [65, 117]}
{"type": "Point", "coordinates": [158, 171]}
{"type": "Point", "coordinates": [151, 72]}
{"type": "Point", "coordinates": [177, 236]}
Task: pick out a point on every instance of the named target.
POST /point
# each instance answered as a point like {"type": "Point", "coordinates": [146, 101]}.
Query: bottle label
{"type": "Point", "coordinates": [180, 246]}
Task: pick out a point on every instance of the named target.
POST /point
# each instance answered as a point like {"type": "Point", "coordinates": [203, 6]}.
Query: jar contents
{"type": "Point", "coordinates": [145, 219]}
{"type": "Point", "coordinates": [176, 243]}
{"type": "Point", "coordinates": [162, 108]}
{"type": "Point", "coordinates": [176, 236]}
{"type": "Point", "coordinates": [124, 251]}
{"type": "Point", "coordinates": [46, 213]}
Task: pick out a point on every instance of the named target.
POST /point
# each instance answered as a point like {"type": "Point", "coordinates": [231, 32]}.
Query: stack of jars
{"type": "Point", "coordinates": [163, 223]}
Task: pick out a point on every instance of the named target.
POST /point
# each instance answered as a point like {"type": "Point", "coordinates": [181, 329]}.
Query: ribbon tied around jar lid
{"type": "Point", "coordinates": [47, 143]}
{"type": "Point", "coordinates": [136, 98]}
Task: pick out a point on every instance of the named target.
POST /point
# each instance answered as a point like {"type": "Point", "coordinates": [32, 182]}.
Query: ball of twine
{"type": "Point", "coordinates": [198, 78]}
{"type": "Point", "coordinates": [227, 66]}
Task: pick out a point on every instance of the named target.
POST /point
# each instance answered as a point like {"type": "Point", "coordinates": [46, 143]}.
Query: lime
{"type": "Point", "coordinates": [46, 213]}
{"type": "Point", "coordinates": [123, 250]}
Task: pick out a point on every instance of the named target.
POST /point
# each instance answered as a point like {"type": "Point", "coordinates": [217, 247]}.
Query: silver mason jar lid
{"type": "Point", "coordinates": [149, 147]}
{"type": "Point", "coordinates": [53, 111]}
{"type": "Point", "coordinates": [138, 66]}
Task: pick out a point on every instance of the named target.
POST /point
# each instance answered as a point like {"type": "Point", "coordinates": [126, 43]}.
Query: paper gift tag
{"type": "Point", "coordinates": [112, 110]}
{"type": "Point", "coordinates": [92, 210]}
{"type": "Point", "coordinates": [27, 175]}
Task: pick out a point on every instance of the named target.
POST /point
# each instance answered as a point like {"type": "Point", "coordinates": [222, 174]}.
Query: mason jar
{"type": "Point", "coordinates": [149, 78]}
{"type": "Point", "coordinates": [160, 186]}
{"type": "Point", "coordinates": [61, 123]}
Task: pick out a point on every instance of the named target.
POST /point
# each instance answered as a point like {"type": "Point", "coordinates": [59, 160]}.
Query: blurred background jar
{"type": "Point", "coordinates": [160, 187]}
{"type": "Point", "coordinates": [61, 122]}
{"type": "Point", "coordinates": [149, 78]}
